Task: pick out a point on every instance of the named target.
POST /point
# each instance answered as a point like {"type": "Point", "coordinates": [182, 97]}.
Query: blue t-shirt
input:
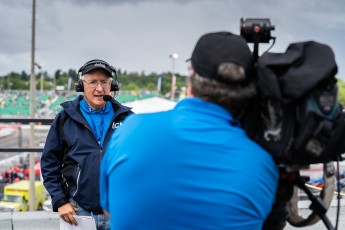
{"type": "Point", "coordinates": [99, 120]}
{"type": "Point", "coordinates": [189, 168]}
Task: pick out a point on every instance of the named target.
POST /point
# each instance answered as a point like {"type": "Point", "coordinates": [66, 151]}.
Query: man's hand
{"type": "Point", "coordinates": [66, 213]}
{"type": "Point", "coordinates": [106, 214]}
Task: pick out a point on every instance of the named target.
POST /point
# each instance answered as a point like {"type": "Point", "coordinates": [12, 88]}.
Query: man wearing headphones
{"type": "Point", "coordinates": [76, 142]}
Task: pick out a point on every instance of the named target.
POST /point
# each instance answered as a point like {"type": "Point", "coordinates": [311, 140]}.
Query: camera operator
{"type": "Point", "coordinates": [193, 167]}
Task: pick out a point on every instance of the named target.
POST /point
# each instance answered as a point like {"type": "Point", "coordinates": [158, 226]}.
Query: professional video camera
{"type": "Point", "coordinates": [296, 116]}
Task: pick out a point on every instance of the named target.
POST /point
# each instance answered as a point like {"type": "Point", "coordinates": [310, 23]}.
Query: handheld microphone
{"type": "Point", "coordinates": [107, 98]}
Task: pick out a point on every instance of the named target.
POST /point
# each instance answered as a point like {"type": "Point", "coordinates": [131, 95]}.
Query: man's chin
{"type": "Point", "coordinates": [99, 102]}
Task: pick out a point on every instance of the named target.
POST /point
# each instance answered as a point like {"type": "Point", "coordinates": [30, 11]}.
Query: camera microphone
{"type": "Point", "coordinates": [107, 98]}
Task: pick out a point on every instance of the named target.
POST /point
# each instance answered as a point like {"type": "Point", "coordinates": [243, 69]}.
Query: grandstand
{"type": "Point", "coordinates": [47, 104]}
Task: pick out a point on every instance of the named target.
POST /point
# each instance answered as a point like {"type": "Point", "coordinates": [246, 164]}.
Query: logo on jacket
{"type": "Point", "coordinates": [116, 125]}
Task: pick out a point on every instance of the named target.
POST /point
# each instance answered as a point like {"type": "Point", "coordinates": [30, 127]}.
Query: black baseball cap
{"type": "Point", "coordinates": [213, 49]}
{"type": "Point", "coordinates": [97, 64]}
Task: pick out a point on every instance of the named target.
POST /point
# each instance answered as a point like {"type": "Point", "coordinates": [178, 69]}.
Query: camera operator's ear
{"type": "Point", "coordinates": [189, 90]}
{"type": "Point", "coordinates": [191, 71]}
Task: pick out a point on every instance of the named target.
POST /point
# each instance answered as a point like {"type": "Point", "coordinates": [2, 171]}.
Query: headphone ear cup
{"type": "Point", "coordinates": [114, 86]}
{"type": "Point", "coordinates": [79, 86]}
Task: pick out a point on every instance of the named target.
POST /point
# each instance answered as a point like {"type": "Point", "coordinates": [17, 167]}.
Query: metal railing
{"type": "Point", "coordinates": [32, 150]}
{"type": "Point", "coordinates": [38, 121]}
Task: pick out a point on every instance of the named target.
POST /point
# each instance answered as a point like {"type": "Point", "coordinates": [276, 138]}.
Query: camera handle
{"type": "Point", "coordinates": [256, 41]}
{"type": "Point", "coordinates": [316, 203]}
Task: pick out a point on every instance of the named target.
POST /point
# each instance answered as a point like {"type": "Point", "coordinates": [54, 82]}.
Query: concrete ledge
{"type": "Point", "coordinates": [5, 220]}
{"type": "Point", "coordinates": [29, 220]}
{"type": "Point", "coordinates": [43, 220]}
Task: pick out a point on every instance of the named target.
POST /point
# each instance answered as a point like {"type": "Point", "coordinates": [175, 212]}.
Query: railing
{"type": "Point", "coordinates": [38, 121]}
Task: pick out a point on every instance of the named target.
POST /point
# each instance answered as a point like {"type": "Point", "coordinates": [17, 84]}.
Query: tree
{"type": "Point", "coordinates": [341, 92]}
{"type": "Point", "coordinates": [73, 74]}
{"type": "Point", "coordinates": [57, 74]}
{"type": "Point", "coordinates": [24, 76]}
{"type": "Point", "coordinates": [127, 81]}
{"type": "Point", "coordinates": [131, 86]}
{"type": "Point", "coordinates": [151, 86]}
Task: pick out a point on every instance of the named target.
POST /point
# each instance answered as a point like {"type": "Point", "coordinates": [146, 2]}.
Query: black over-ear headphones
{"type": "Point", "coordinates": [99, 64]}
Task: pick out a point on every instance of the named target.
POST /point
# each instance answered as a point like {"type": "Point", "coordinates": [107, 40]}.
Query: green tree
{"type": "Point", "coordinates": [57, 74]}
{"type": "Point", "coordinates": [131, 86]}
{"type": "Point", "coordinates": [127, 80]}
{"type": "Point", "coordinates": [24, 76]}
{"type": "Point", "coordinates": [73, 74]}
{"type": "Point", "coordinates": [341, 91]}
{"type": "Point", "coordinates": [151, 86]}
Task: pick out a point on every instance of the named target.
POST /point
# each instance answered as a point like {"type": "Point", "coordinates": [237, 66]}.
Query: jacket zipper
{"type": "Point", "coordinates": [77, 180]}
{"type": "Point", "coordinates": [101, 155]}
{"type": "Point", "coordinates": [110, 127]}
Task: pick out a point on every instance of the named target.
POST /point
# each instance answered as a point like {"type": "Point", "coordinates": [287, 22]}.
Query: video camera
{"type": "Point", "coordinates": [301, 120]}
{"type": "Point", "coordinates": [296, 117]}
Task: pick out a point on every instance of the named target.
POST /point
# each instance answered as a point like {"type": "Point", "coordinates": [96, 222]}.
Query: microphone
{"type": "Point", "coordinates": [107, 98]}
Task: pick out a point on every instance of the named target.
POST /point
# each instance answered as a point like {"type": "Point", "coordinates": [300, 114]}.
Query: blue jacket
{"type": "Point", "coordinates": [192, 167]}
{"type": "Point", "coordinates": [71, 157]}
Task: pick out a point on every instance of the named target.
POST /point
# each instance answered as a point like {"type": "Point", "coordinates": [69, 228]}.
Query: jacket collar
{"type": "Point", "coordinates": [72, 108]}
{"type": "Point", "coordinates": [200, 106]}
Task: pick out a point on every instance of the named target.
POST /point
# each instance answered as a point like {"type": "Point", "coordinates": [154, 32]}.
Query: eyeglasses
{"type": "Point", "coordinates": [94, 84]}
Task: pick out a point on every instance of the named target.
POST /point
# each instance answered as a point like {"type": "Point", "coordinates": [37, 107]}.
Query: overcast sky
{"type": "Point", "coordinates": [137, 36]}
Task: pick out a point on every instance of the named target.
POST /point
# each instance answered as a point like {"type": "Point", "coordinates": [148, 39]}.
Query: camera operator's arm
{"type": "Point", "coordinates": [276, 220]}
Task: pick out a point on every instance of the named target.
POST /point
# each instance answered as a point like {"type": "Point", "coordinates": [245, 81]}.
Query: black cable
{"type": "Point", "coordinates": [316, 203]}
{"type": "Point", "coordinates": [274, 41]}
{"type": "Point", "coordinates": [338, 190]}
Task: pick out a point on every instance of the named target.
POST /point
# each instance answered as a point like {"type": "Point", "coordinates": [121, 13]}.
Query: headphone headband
{"type": "Point", "coordinates": [97, 64]}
